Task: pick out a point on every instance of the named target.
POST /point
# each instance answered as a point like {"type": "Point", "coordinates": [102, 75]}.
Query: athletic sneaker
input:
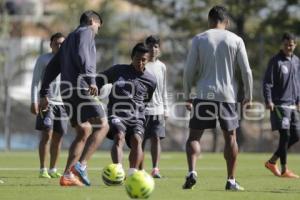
{"type": "Point", "coordinates": [155, 173]}
{"type": "Point", "coordinates": [70, 181]}
{"type": "Point", "coordinates": [289, 174]}
{"type": "Point", "coordinates": [44, 174]}
{"type": "Point", "coordinates": [82, 174]}
{"type": "Point", "coordinates": [55, 174]}
{"type": "Point", "coordinates": [273, 168]}
{"type": "Point", "coordinates": [233, 187]}
{"type": "Point", "coordinates": [190, 181]}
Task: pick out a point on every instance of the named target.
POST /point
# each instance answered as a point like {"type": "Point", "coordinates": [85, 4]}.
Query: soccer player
{"type": "Point", "coordinates": [282, 95]}
{"type": "Point", "coordinates": [132, 89]}
{"type": "Point", "coordinates": [157, 108]}
{"type": "Point", "coordinates": [212, 64]}
{"type": "Point", "coordinates": [76, 62]}
{"type": "Point", "coordinates": [49, 122]}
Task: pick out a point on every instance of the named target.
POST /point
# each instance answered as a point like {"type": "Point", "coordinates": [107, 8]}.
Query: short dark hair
{"type": "Point", "coordinates": [217, 14]}
{"type": "Point", "coordinates": [288, 36]}
{"type": "Point", "coordinates": [152, 40]}
{"type": "Point", "coordinates": [139, 47]}
{"type": "Point", "coordinates": [56, 36]}
{"type": "Point", "coordinates": [88, 15]}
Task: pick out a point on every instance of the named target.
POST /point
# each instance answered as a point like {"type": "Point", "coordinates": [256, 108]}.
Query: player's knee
{"type": "Point", "coordinates": [119, 139]}
{"type": "Point", "coordinates": [155, 140]}
{"type": "Point", "coordinates": [136, 140]}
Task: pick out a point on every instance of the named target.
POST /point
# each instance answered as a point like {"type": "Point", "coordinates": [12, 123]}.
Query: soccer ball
{"type": "Point", "coordinates": [139, 185]}
{"type": "Point", "coordinates": [113, 174]}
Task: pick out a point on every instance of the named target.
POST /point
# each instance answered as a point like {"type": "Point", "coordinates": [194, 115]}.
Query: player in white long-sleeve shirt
{"type": "Point", "coordinates": [47, 121]}
{"type": "Point", "coordinates": [212, 65]}
{"type": "Point", "coordinates": [157, 109]}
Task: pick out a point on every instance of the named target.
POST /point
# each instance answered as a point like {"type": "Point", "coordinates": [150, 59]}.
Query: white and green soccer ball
{"type": "Point", "coordinates": [139, 185]}
{"type": "Point", "coordinates": [113, 174]}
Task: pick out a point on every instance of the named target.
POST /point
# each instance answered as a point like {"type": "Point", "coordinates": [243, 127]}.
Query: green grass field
{"type": "Point", "coordinates": [19, 171]}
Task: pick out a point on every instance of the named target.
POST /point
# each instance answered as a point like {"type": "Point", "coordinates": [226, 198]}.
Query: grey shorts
{"type": "Point", "coordinates": [80, 106]}
{"type": "Point", "coordinates": [117, 125]}
{"type": "Point", "coordinates": [285, 118]}
{"type": "Point", "coordinates": [55, 118]}
{"type": "Point", "coordinates": [205, 114]}
{"type": "Point", "coordinates": [155, 126]}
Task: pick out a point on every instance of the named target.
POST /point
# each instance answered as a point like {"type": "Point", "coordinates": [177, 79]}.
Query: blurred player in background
{"type": "Point", "coordinates": [157, 108]}
{"type": "Point", "coordinates": [52, 122]}
{"type": "Point", "coordinates": [281, 89]}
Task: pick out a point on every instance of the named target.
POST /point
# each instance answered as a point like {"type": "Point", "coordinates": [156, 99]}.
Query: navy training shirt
{"type": "Point", "coordinates": [130, 93]}
{"type": "Point", "coordinates": [281, 83]}
{"type": "Point", "coordinates": [75, 60]}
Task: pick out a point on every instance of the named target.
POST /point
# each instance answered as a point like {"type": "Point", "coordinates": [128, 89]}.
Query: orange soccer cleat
{"type": "Point", "coordinates": [70, 181]}
{"type": "Point", "coordinates": [273, 168]}
{"type": "Point", "coordinates": [289, 174]}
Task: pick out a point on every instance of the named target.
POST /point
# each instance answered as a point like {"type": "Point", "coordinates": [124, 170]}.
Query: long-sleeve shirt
{"type": "Point", "coordinates": [75, 60]}
{"type": "Point", "coordinates": [38, 74]}
{"type": "Point", "coordinates": [159, 102]}
{"type": "Point", "coordinates": [281, 82]}
{"type": "Point", "coordinates": [130, 93]}
{"type": "Point", "coordinates": [212, 65]}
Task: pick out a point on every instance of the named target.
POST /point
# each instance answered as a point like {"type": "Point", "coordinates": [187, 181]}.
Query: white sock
{"type": "Point", "coordinates": [192, 172]}
{"type": "Point", "coordinates": [82, 166]}
{"type": "Point", "coordinates": [131, 171]}
{"type": "Point", "coordinates": [69, 175]}
{"type": "Point", "coordinates": [232, 181]}
{"type": "Point", "coordinates": [52, 170]}
{"type": "Point", "coordinates": [43, 169]}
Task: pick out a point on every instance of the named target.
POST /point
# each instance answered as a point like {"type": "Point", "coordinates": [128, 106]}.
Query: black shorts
{"type": "Point", "coordinates": [80, 107]}
{"type": "Point", "coordinates": [285, 118]}
{"type": "Point", "coordinates": [117, 125]}
{"type": "Point", "coordinates": [205, 114]}
{"type": "Point", "coordinates": [55, 118]}
{"type": "Point", "coordinates": [155, 126]}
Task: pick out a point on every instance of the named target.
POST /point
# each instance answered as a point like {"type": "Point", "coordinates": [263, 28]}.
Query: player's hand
{"type": "Point", "coordinates": [189, 105]}
{"type": "Point", "coordinates": [34, 108]}
{"type": "Point", "coordinates": [93, 90]}
{"type": "Point", "coordinates": [44, 102]}
{"type": "Point", "coordinates": [270, 106]}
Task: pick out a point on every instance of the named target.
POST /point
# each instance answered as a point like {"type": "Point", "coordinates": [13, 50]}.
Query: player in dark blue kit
{"type": "Point", "coordinates": [76, 62]}
{"type": "Point", "coordinates": [132, 89]}
{"type": "Point", "coordinates": [282, 97]}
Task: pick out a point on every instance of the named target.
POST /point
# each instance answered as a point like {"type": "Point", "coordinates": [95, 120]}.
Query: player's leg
{"type": "Point", "coordinates": [276, 121]}
{"type": "Point", "coordinates": [100, 129]}
{"type": "Point", "coordinates": [136, 151]}
{"type": "Point", "coordinates": [200, 120]}
{"type": "Point", "coordinates": [294, 137]}
{"type": "Point", "coordinates": [59, 130]}
{"type": "Point", "coordinates": [117, 148]}
{"type": "Point", "coordinates": [192, 148]}
{"type": "Point", "coordinates": [44, 151]}
{"type": "Point", "coordinates": [157, 132]}
{"type": "Point", "coordinates": [55, 147]}
{"type": "Point", "coordinates": [229, 122]}
{"type": "Point", "coordinates": [89, 113]}
{"type": "Point", "coordinates": [141, 167]}
{"type": "Point", "coordinates": [155, 154]}
{"type": "Point", "coordinates": [230, 152]}
{"type": "Point", "coordinates": [44, 123]}
{"type": "Point", "coordinates": [83, 131]}
{"type": "Point", "coordinates": [281, 152]}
